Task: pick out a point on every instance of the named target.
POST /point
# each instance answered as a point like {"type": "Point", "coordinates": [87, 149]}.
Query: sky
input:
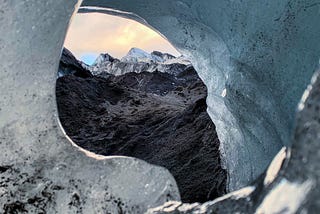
{"type": "Point", "coordinates": [93, 33]}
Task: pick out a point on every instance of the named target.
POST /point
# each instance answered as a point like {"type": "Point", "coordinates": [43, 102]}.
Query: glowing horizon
{"type": "Point", "coordinates": [88, 36]}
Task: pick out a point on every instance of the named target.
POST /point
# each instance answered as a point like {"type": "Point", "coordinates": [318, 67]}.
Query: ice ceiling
{"type": "Point", "coordinates": [256, 58]}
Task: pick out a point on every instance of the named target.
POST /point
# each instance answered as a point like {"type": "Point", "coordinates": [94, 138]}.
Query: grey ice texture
{"type": "Point", "coordinates": [256, 58]}
{"type": "Point", "coordinates": [40, 170]}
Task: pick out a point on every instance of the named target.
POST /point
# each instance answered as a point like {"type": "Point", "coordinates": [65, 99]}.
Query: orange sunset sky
{"type": "Point", "coordinates": [95, 33]}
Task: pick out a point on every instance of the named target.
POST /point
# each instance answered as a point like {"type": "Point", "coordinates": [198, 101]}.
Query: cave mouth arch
{"type": "Point", "coordinates": [38, 31]}
{"type": "Point", "coordinates": [251, 64]}
{"type": "Point", "coordinates": [247, 68]}
{"type": "Point", "coordinates": [151, 109]}
{"type": "Point", "coordinates": [233, 87]}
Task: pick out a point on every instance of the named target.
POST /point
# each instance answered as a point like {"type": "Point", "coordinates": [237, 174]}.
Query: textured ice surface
{"type": "Point", "coordinates": [40, 171]}
{"type": "Point", "coordinates": [256, 58]}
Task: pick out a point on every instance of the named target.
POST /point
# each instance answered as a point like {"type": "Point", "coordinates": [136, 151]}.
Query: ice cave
{"type": "Point", "coordinates": [259, 61]}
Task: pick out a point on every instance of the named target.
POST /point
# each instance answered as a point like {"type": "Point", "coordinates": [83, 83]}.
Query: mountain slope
{"type": "Point", "coordinates": [70, 65]}
{"type": "Point", "coordinates": [158, 117]}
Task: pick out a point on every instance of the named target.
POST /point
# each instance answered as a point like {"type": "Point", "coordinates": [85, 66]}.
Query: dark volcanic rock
{"type": "Point", "coordinates": [157, 82]}
{"type": "Point", "coordinates": [162, 55]}
{"type": "Point", "coordinates": [70, 65]}
{"type": "Point", "coordinates": [158, 117]}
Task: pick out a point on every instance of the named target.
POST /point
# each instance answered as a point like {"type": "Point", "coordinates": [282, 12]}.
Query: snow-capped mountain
{"type": "Point", "coordinates": [137, 55]}
{"type": "Point", "coordinates": [137, 61]}
{"type": "Point", "coordinates": [103, 58]}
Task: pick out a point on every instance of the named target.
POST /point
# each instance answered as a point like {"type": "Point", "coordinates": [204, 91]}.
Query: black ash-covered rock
{"type": "Point", "coordinates": [158, 117]}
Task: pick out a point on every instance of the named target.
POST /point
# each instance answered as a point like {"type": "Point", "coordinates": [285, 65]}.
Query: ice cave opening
{"type": "Point", "coordinates": [247, 56]}
{"type": "Point", "coordinates": [115, 99]}
{"type": "Point", "coordinates": [256, 59]}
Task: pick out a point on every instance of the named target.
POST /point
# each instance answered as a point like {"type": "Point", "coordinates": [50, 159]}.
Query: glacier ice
{"type": "Point", "coordinates": [256, 58]}
{"type": "Point", "coordinates": [40, 170]}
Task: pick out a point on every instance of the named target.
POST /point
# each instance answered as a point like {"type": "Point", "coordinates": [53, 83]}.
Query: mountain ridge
{"type": "Point", "coordinates": [136, 60]}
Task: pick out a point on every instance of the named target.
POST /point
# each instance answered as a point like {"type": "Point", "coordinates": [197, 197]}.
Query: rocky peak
{"type": "Point", "coordinates": [70, 65]}
{"type": "Point", "coordinates": [104, 57]}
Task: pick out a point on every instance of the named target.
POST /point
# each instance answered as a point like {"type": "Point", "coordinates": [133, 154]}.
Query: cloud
{"type": "Point", "coordinates": [97, 33]}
